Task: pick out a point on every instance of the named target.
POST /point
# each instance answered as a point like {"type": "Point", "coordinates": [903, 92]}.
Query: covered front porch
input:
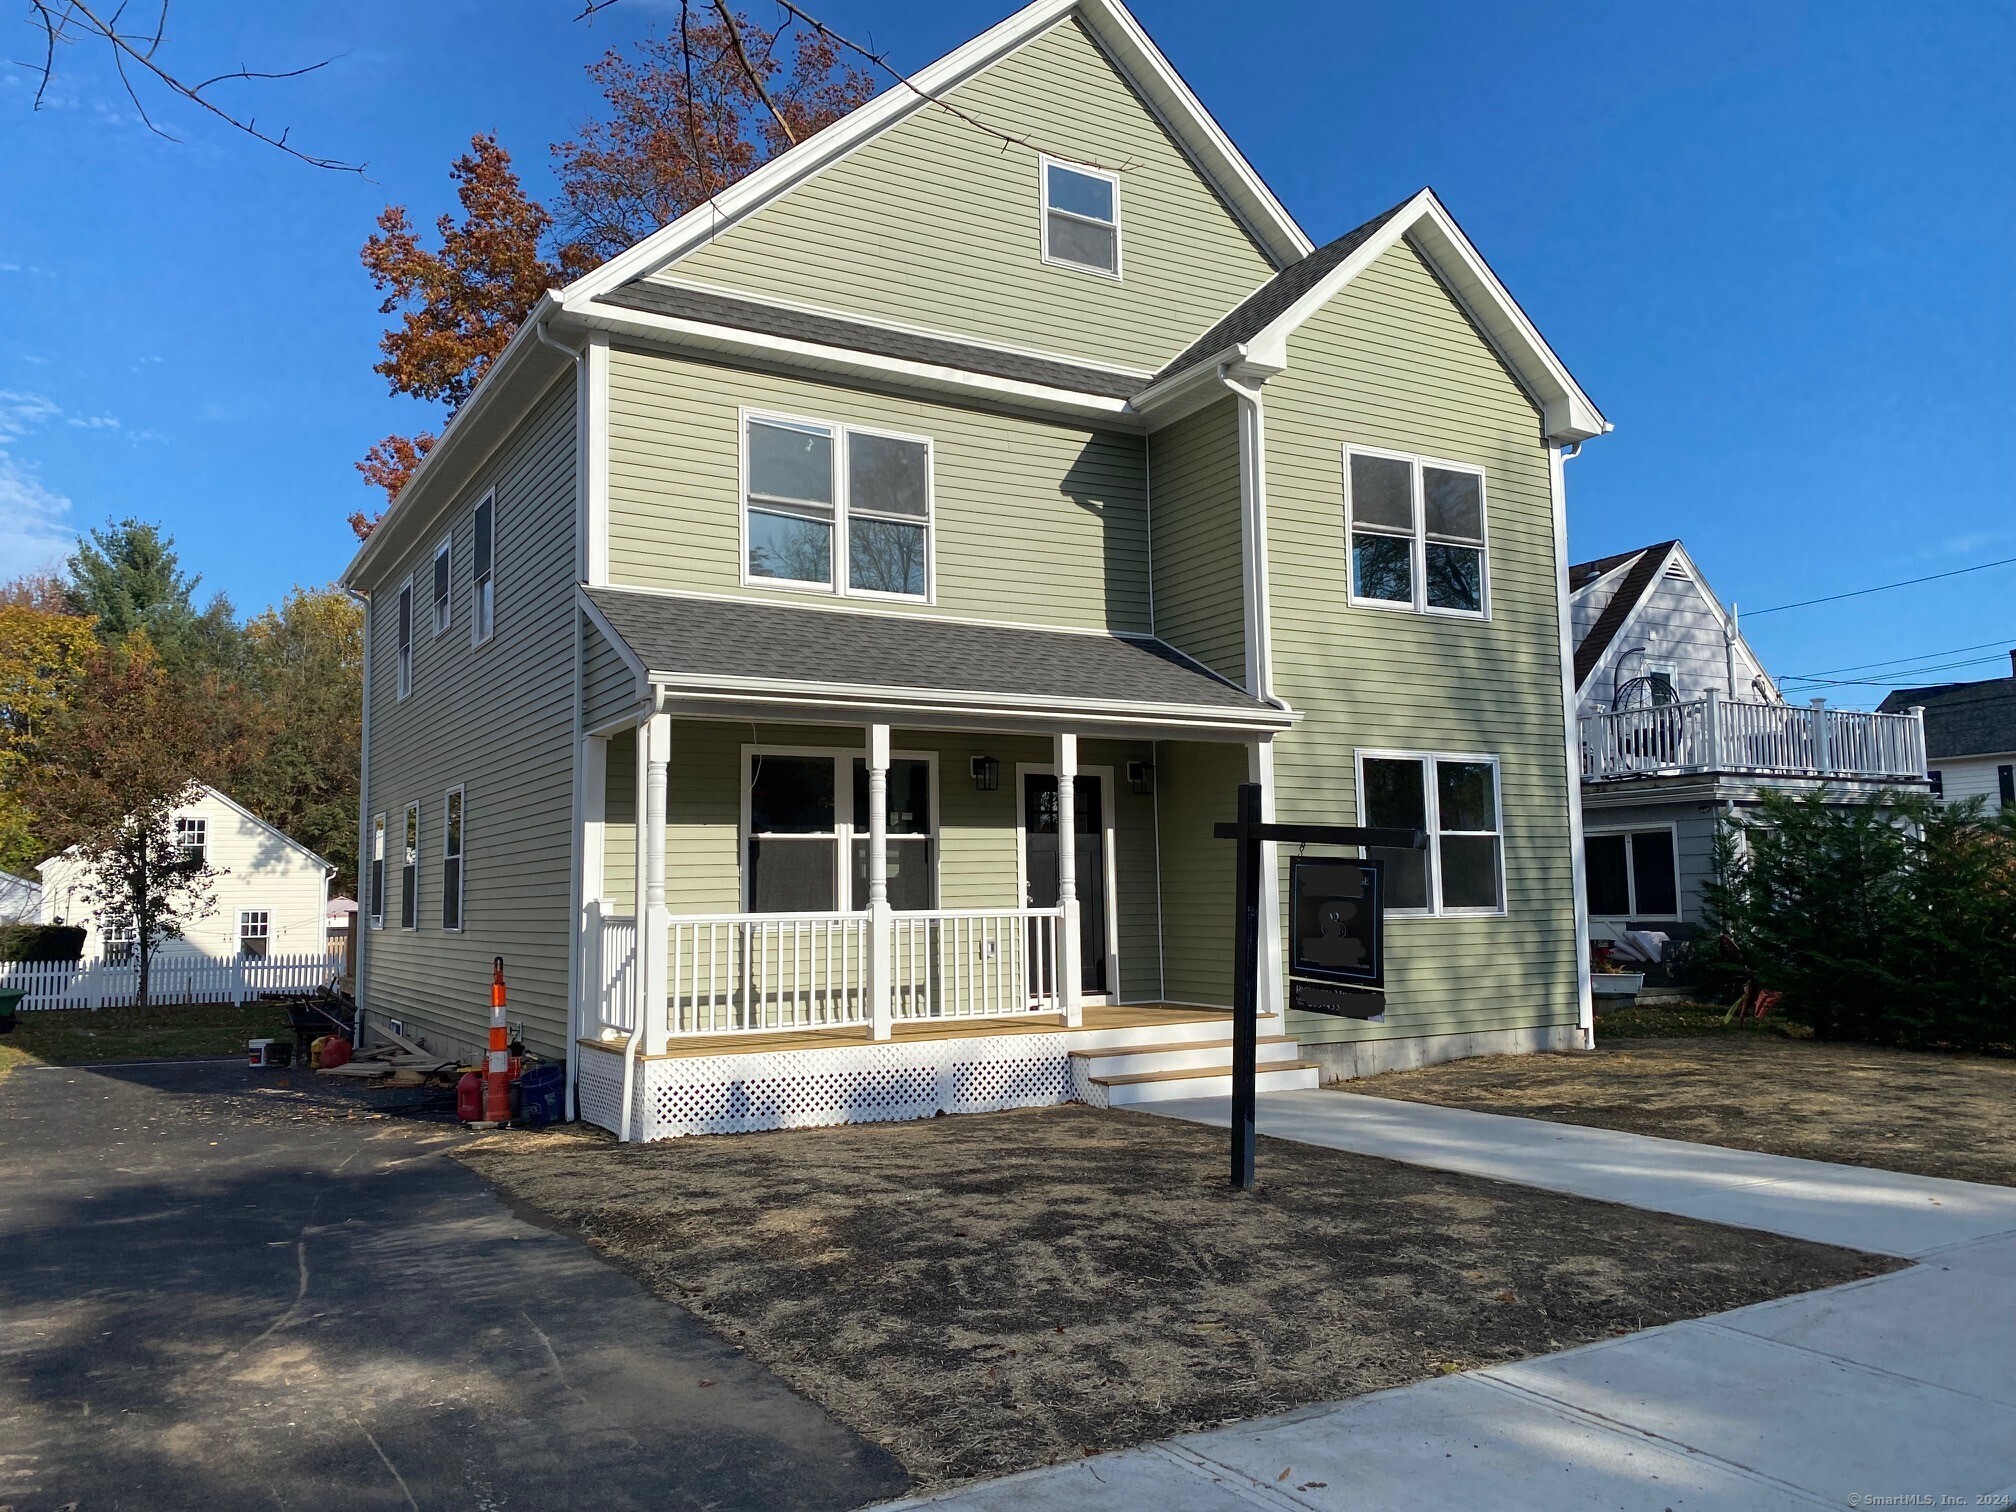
{"type": "Point", "coordinates": [931, 910]}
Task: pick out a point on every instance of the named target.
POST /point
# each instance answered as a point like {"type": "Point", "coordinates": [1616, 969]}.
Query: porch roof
{"type": "Point", "coordinates": [743, 648]}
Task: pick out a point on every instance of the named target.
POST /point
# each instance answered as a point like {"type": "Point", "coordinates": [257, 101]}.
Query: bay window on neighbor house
{"type": "Point", "coordinates": [409, 871]}
{"type": "Point", "coordinates": [451, 860]}
{"type": "Point", "coordinates": [444, 555]}
{"type": "Point", "coordinates": [405, 638]}
{"type": "Point", "coordinates": [1632, 874]}
{"type": "Point", "coordinates": [835, 507]}
{"type": "Point", "coordinates": [1416, 529]}
{"type": "Point", "coordinates": [376, 900]}
{"type": "Point", "coordinates": [255, 932]}
{"type": "Point", "coordinates": [482, 576]}
{"type": "Point", "coordinates": [804, 851]}
{"type": "Point", "coordinates": [1081, 218]}
{"type": "Point", "coordinates": [1455, 800]}
{"type": "Point", "coordinates": [192, 839]}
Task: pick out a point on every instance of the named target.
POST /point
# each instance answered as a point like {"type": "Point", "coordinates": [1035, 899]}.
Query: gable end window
{"type": "Point", "coordinates": [1081, 218]}
{"type": "Point", "coordinates": [443, 556]}
{"type": "Point", "coordinates": [377, 898]}
{"type": "Point", "coordinates": [1455, 799]}
{"type": "Point", "coordinates": [452, 851]}
{"type": "Point", "coordinates": [482, 574]}
{"type": "Point", "coordinates": [409, 870]}
{"type": "Point", "coordinates": [405, 638]}
{"type": "Point", "coordinates": [192, 838]}
{"type": "Point", "coordinates": [1416, 533]}
{"type": "Point", "coordinates": [836, 508]}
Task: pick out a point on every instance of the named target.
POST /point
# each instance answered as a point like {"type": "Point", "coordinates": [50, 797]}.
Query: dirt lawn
{"type": "Point", "coordinates": [1899, 1110]}
{"type": "Point", "coordinates": [984, 1294]}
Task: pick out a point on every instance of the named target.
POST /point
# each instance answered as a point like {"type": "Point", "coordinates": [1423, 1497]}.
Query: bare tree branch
{"type": "Point", "coordinates": [70, 21]}
{"type": "Point", "coordinates": [748, 68]}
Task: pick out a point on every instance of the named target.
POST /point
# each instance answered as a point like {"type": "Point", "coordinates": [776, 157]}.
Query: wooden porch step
{"type": "Point", "coordinates": [1202, 1081]}
{"type": "Point", "coordinates": [1192, 1073]}
{"type": "Point", "coordinates": [1220, 1044]}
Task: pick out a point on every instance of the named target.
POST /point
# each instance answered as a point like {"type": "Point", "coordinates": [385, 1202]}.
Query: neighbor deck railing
{"type": "Point", "coordinates": [975, 963]}
{"type": "Point", "coordinates": [1732, 735]}
{"type": "Point", "coordinates": [174, 978]}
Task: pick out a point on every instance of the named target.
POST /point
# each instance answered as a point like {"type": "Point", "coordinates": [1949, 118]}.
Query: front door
{"type": "Point", "coordinates": [1039, 823]}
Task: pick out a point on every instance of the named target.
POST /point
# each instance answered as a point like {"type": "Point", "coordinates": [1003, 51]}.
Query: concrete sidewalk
{"type": "Point", "coordinates": [1899, 1386]}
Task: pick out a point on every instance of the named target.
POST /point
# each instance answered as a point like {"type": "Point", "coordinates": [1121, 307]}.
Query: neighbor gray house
{"type": "Point", "coordinates": [1682, 727]}
{"type": "Point", "coordinates": [1970, 737]}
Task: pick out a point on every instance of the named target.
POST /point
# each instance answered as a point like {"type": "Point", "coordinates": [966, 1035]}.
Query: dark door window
{"type": "Point", "coordinates": [1039, 810]}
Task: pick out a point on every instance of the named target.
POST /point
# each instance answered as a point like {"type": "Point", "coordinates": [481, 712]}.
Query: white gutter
{"type": "Point", "coordinates": [1585, 1006]}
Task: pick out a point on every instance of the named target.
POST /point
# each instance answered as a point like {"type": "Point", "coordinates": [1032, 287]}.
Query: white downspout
{"type": "Point", "coordinates": [360, 922]}
{"type": "Point", "coordinates": [1585, 1006]}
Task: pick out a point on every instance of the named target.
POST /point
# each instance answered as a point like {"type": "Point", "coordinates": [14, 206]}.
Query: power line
{"type": "Point", "coordinates": [1894, 661]}
{"type": "Point", "coordinates": [1882, 587]}
{"type": "Point", "coordinates": [1907, 677]}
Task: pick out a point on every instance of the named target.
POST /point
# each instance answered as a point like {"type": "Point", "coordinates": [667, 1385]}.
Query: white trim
{"type": "Point", "coordinates": [1672, 831]}
{"type": "Point", "coordinates": [1433, 812]}
{"type": "Point", "coordinates": [1127, 47]}
{"type": "Point", "coordinates": [1418, 541]}
{"type": "Point", "coordinates": [843, 834]}
{"type": "Point", "coordinates": [1256, 611]}
{"type": "Point", "coordinates": [1612, 652]}
{"type": "Point", "coordinates": [404, 633]}
{"type": "Point", "coordinates": [480, 633]}
{"type": "Point", "coordinates": [441, 607]}
{"type": "Point", "coordinates": [1044, 163]}
{"type": "Point", "coordinates": [594, 444]}
{"type": "Point", "coordinates": [1571, 720]}
{"type": "Point", "coordinates": [1109, 851]}
{"type": "Point", "coordinates": [455, 800]}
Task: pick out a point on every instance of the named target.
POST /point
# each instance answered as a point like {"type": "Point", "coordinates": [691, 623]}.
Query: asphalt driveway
{"type": "Point", "coordinates": [218, 1291]}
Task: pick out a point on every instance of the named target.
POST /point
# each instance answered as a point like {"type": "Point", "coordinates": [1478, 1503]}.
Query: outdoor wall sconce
{"type": "Point", "coordinates": [986, 774]}
{"type": "Point", "coordinates": [1141, 777]}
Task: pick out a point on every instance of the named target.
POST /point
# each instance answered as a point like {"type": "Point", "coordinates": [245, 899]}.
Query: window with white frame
{"type": "Point", "coordinates": [409, 870]}
{"type": "Point", "coordinates": [836, 507]}
{"type": "Point", "coordinates": [405, 638]}
{"type": "Point", "coordinates": [255, 931]}
{"type": "Point", "coordinates": [452, 850]}
{"type": "Point", "coordinates": [444, 556]}
{"type": "Point", "coordinates": [1416, 531]}
{"type": "Point", "coordinates": [377, 898]}
{"type": "Point", "coordinates": [192, 839]}
{"type": "Point", "coordinates": [1455, 800]}
{"type": "Point", "coordinates": [122, 941]}
{"type": "Point", "coordinates": [804, 850]}
{"type": "Point", "coordinates": [1081, 218]}
{"type": "Point", "coordinates": [1631, 874]}
{"type": "Point", "coordinates": [482, 574]}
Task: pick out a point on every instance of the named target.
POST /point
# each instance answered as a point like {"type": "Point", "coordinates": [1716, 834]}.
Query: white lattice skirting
{"type": "Point", "coordinates": [805, 1089]}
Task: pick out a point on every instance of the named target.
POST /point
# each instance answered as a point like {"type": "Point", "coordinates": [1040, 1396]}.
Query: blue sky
{"type": "Point", "coordinates": [1772, 240]}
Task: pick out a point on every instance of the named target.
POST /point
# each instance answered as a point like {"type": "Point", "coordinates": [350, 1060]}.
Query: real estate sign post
{"type": "Point", "coordinates": [1338, 964]}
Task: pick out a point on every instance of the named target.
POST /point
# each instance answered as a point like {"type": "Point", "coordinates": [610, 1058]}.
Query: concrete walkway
{"type": "Point", "coordinates": [1900, 1386]}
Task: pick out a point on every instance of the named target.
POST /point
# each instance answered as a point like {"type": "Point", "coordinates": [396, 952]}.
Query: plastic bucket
{"type": "Point", "coordinates": [542, 1095]}
{"type": "Point", "coordinates": [255, 1052]}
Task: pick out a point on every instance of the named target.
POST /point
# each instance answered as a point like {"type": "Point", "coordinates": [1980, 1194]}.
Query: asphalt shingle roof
{"type": "Point", "coordinates": [767, 643]}
{"type": "Point", "coordinates": [1963, 719]}
{"type": "Point", "coordinates": [1650, 560]}
{"type": "Point", "coordinates": [827, 330]}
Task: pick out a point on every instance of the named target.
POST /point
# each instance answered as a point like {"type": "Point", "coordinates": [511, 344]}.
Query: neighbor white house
{"type": "Point", "coordinates": [269, 897]}
{"type": "Point", "coordinates": [20, 899]}
{"type": "Point", "coordinates": [1970, 737]}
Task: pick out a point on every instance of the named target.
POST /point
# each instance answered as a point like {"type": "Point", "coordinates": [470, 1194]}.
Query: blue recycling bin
{"type": "Point", "coordinates": [542, 1096]}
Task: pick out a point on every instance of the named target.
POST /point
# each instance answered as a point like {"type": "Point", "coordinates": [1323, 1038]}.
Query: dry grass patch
{"type": "Point", "coordinates": [985, 1294]}
{"type": "Point", "coordinates": [1897, 1110]}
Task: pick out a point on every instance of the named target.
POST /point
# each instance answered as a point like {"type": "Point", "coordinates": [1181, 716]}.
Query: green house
{"type": "Point", "coordinates": [817, 655]}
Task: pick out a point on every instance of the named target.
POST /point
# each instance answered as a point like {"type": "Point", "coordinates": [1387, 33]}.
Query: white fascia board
{"type": "Point", "coordinates": [733, 342]}
{"type": "Point", "coordinates": [600, 621]}
{"type": "Point", "coordinates": [1608, 660]}
{"type": "Point", "coordinates": [440, 461]}
{"type": "Point", "coordinates": [1203, 383]}
{"type": "Point", "coordinates": [1109, 22]}
{"type": "Point", "coordinates": [1566, 412]}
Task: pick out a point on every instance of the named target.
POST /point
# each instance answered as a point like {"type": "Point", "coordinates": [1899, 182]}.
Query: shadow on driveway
{"type": "Point", "coordinates": [228, 1288]}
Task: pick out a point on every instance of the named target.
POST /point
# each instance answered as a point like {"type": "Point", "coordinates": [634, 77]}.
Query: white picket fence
{"type": "Point", "coordinates": [174, 979]}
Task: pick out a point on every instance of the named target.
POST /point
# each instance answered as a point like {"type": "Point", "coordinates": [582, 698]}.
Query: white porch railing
{"type": "Point", "coordinates": [612, 967]}
{"type": "Point", "coordinates": [748, 973]}
{"type": "Point", "coordinates": [1731, 735]}
{"type": "Point", "coordinates": [980, 963]}
{"type": "Point", "coordinates": [173, 979]}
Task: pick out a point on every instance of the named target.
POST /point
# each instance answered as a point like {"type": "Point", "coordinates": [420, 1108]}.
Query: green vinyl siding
{"type": "Point", "coordinates": [1392, 362]}
{"type": "Point", "coordinates": [1197, 786]}
{"type": "Point", "coordinates": [1200, 600]}
{"type": "Point", "coordinates": [608, 686]}
{"type": "Point", "coordinates": [497, 719]}
{"type": "Point", "coordinates": [1032, 521]}
{"type": "Point", "coordinates": [937, 224]}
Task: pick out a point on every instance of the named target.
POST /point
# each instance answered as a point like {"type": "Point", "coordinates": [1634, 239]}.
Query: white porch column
{"type": "Point", "coordinates": [881, 923]}
{"type": "Point", "coordinates": [1711, 730]}
{"type": "Point", "coordinates": [654, 920]}
{"type": "Point", "coordinates": [592, 806]}
{"type": "Point", "coordinates": [1069, 968]}
{"type": "Point", "coordinates": [1260, 769]}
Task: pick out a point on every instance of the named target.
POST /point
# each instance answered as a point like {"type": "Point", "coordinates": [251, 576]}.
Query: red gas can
{"type": "Point", "coordinates": [469, 1097]}
{"type": "Point", "coordinates": [336, 1051]}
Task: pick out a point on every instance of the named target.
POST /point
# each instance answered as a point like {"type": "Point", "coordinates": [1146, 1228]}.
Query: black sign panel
{"type": "Point", "coordinates": [1337, 962]}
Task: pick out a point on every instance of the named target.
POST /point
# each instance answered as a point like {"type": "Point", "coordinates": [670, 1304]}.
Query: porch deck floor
{"type": "Point", "coordinates": [1099, 1016]}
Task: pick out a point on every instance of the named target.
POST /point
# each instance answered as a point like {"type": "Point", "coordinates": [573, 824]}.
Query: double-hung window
{"type": "Point", "coordinates": [1455, 800]}
{"type": "Point", "coordinates": [122, 941]}
{"type": "Point", "coordinates": [255, 932]}
{"type": "Point", "coordinates": [805, 851]}
{"type": "Point", "coordinates": [192, 839]}
{"type": "Point", "coordinates": [1416, 531]}
{"type": "Point", "coordinates": [409, 870]}
{"type": "Point", "coordinates": [377, 898]}
{"type": "Point", "coordinates": [482, 574]}
{"type": "Point", "coordinates": [452, 851]}
{"type": "Point", "coordinates": [406, 637]}
{"type": "Point", "coordinates": [1631, 874]}
{"type": "Point", "coordinates": [444, 556]}
{"type": "Point", "coordinates": [836, 508]}
{"type": "Point", "coordinates": [1081, 218]}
